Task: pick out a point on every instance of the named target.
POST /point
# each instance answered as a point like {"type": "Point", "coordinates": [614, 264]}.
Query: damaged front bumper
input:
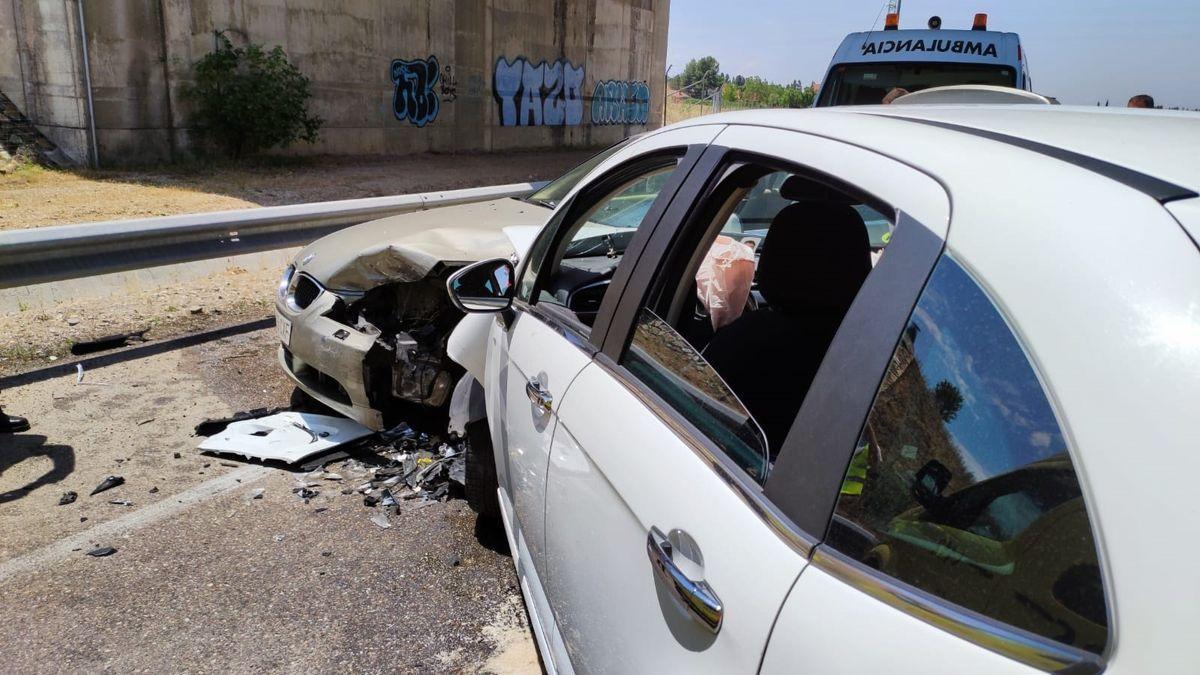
{"type": "Point", "coordinates": [364, 355]}
{"type": "Point", "coordinates": [325, 358]}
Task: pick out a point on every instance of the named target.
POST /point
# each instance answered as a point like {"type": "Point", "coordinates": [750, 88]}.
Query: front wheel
{"type": "Point", "coordinates": [481, 479]}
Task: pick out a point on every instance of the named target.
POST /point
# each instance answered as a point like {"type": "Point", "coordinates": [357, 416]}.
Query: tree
{"type": "Point", "coordinates": [701, 76]}
{"type": "Point", "coordinates": [949, 400]}
{"type": "Point", "coordinates": [248, 99]}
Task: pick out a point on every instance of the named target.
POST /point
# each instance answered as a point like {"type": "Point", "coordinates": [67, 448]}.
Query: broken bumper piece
{"type": "Point", "coordinates": [286, 437]}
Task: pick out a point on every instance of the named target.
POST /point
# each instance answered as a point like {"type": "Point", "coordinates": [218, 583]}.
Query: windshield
{"type": "Point", "coordinates": [550, 195]}
{"type": "Point", "coordinates": [868, 83]}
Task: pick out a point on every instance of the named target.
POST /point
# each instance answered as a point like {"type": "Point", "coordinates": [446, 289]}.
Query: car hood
{"type": "Point", "coordinates": [406, 247]}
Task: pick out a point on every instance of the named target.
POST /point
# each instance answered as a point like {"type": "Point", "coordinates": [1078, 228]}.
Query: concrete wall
{"type": "Point", "coordinates": [510, 73]}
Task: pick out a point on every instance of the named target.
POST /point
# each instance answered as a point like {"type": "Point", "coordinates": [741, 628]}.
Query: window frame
{"type": "Point", "coordinates": [579, 204]}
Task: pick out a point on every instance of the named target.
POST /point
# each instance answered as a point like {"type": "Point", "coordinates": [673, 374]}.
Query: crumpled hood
{"type": "Point", "coordinates": [406, 247]}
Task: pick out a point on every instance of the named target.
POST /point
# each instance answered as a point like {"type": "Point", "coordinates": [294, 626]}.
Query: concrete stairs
{"type": "Point", "coordinates": [17, 131]}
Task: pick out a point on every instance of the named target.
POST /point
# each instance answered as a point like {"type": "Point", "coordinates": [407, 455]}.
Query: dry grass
{"type": "Point", "coordinates": [34, 197]}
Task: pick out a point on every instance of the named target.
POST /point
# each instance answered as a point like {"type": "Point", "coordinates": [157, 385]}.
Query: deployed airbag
{"type": "Point", "coordinates": [724, 279]}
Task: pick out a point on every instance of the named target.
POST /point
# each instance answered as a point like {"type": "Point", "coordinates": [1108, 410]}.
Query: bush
{"type": "Point", "coordinates": [248, 99]}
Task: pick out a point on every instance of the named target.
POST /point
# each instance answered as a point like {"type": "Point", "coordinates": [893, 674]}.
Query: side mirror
{"type": "Point", "coordinates": [485, 286]}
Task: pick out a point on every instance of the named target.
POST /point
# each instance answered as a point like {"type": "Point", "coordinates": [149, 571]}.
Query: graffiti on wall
{"type": "Point", "coordinates": [535, 95]}
{"type": "Point", "coordinates": [415, 99]}
{"type": "Point", "coordinates": [620, 102]}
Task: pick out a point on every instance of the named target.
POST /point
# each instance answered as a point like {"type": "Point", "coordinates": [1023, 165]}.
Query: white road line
{"type": "Point", "coordinates": [167, 507]}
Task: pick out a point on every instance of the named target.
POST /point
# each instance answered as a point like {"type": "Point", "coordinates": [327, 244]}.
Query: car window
{"type": "Point", "coordinates": [572, 265]}
{"type": "Point", "coordinates": [742, 311]}
{"type": "Point", "coordinates": [552, 193]}
{"type": "Point", "coordinates": [962, 484]}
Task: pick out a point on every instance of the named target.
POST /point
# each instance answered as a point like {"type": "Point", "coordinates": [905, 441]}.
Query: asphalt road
{"type": "Point", "coordinates": [207, 579]}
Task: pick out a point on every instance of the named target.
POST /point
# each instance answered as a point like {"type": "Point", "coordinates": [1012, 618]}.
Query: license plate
{"type": "Point", "coordinates": [284, 326]}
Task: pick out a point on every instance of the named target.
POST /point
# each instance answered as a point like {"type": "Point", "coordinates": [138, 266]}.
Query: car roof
{"type": "Point", "coordinates": [1162, 144]}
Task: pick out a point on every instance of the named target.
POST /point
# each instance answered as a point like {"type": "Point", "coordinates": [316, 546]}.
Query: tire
{"type": "Point", "coordinates": [482, 484]}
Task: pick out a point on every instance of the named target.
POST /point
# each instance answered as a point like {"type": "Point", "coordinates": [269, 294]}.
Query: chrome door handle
{"type": "Point", "coordinates": [697, 596]}
{"type": "Point", "coordinates": [538, 396]}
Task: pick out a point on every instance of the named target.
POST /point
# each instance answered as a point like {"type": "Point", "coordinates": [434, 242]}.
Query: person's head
{"type": "Point", "coordinates": [1141, 101]}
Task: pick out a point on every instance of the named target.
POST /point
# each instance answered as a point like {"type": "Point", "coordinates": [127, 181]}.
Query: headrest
{"type": "Point", "coordinates": [814, 258]}
{"type": "Point", "coordinates": [801, 189]}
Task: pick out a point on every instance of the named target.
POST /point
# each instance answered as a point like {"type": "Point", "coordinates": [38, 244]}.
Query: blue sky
{"type": "Point", "coordinates": [1078, 51]}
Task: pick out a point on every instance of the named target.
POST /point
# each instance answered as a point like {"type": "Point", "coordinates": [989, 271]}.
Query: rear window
{"type": "Point", "coordinates": [962, 484]}
{"type": "Point", "coordinates": [868, 83]}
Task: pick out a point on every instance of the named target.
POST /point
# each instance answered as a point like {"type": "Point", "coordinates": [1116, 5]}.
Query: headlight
{"type": "Point", "coordinates": [286, 281]}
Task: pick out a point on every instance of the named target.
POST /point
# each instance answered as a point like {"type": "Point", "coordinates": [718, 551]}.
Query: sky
{"type": "Point", "coordinates": [1080, 52]}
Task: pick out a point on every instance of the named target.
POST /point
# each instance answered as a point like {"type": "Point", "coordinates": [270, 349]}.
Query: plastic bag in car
{"type": "Point", "coordinates": [723, 280]}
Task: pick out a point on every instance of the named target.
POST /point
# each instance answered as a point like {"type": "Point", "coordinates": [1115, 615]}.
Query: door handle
{"type": "Point", "coordinates": [538, 396]}
{"type": "Point", "coordinates": [697, 596]}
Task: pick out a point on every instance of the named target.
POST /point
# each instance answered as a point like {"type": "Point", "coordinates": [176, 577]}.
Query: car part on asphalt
{"type": "Point", "coordinates": [106, 343]}
{"type": "Point", "coordinates": [214, 426]}
{"type": "Point", "coordinates": [102, 552]}
{"type": "Point", "coordinates": [68, 497]}
{"type": "Point", "coordinates": [288, 436]}
{"type": "Point", "coordinates": [107, 484]}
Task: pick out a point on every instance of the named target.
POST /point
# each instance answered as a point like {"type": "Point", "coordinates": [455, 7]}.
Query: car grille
{"type": "Point", "coordinates": [305, 291]}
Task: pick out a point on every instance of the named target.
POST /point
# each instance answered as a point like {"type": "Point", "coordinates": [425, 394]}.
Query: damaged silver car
{"type": "Point", "coordinates": [363, 315]}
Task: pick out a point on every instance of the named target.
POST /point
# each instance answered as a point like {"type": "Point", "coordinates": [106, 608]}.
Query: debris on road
{"type": "Point", "coordinates": [212, 427]}
{"type": "Point", "coordinates": [108, 484]}
{"type": "Point", "coordinates": [381, 520]}
{"type": "Point", "coordinates": [120, 502]}
{"type": "Point", "coordinates": [107, 342]}
{"type": "Point", "coordinates": [256, 493]}
{"type": "Point", "coordinates": [102, 552]}
{"type": "Point", "coordinates": [68, 497]}
{"type": "Point", "coordinates": [286, 436]}
{"type": "Point", "coordinates": [78, 373]}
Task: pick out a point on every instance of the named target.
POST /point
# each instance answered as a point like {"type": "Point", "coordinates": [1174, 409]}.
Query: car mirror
{"type": "Point", "coordinates": [485, 286]}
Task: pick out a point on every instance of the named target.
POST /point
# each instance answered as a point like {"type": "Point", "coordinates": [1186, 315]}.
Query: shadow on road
{"type": "Point", "coordinates": [18, 448]}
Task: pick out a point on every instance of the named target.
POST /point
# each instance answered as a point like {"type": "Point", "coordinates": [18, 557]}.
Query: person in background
{"type": "Point", "coordinates": [1141, 101]}
{"type": "Point", "coordinates": [895, 93]}
{"type": "Point", "coordinates": [10, 424]}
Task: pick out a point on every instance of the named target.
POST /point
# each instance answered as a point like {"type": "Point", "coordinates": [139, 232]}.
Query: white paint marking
{"type": "Point", "coordinates": [169, 506]}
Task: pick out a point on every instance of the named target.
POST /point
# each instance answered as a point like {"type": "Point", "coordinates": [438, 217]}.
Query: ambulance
{"type": "Point", "coordinates": [877, 66]}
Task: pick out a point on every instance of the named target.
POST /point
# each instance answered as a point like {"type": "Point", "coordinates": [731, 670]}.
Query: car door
{"type": "Point", "coordinates": [545, 341]}
{"type": "Point", "coordinates": [664, 551]}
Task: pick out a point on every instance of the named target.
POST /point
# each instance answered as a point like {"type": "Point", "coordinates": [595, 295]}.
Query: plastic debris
{"type": "Point", "coordinates": [68, 497]}
{"type": "Point", "coordinates": [108, 484]}
{"type": "Point", "coordinates": [120, 502]}
{"type": "Point", "coordinates": [216, 425]}
{"type": "Point", "coordinates": [78, 373]}
{"type": "Point", "coordinates": [381, 520]}
{"type": "Point", "coordinates": [102, 552]}
{"type": "Point", "coordinates": [256, 493]}
{"type": "Point", "coordinates": [287, 436]}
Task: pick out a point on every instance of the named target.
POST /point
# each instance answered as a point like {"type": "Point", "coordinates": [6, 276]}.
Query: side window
{"type": "Point", "coordinates": [572, 265]}
{"type": "Point", "coordinates": [961, 484]}
{"type": "Point", "coordinates": [745, 305]}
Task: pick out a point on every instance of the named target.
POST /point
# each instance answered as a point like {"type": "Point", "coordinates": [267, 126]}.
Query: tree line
{"type": "Point", "coordinates": [702, 78]}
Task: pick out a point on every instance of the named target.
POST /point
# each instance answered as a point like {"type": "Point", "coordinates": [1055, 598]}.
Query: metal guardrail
{"type": "Point", "coordinates": [45, 254]}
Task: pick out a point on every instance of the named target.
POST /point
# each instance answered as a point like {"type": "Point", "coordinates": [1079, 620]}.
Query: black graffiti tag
{"type": "Point", "coordinates": [415, 98]}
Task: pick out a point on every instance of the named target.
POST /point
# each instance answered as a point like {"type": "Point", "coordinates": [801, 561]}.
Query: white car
{"type": "Point", "coordinates": [954, 450]}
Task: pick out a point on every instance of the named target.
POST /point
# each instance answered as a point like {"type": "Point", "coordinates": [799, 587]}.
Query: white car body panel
{"type": "Point", "coordinates": [1187, 212]}
{"type": "Point", "coordinates": [616, 471]}
{"type": "Point", "coordinates": [832, 628]}
{"type": "Point", "coordinates": [467, 343]}
{"type": "Point", "coordinates": [1099, 282]}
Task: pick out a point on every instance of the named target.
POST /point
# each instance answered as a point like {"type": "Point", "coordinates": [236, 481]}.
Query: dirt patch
{"type": "Point", "coordinates": [44, 336]}
{"type": "Point", "coordinates": [35, 197]}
